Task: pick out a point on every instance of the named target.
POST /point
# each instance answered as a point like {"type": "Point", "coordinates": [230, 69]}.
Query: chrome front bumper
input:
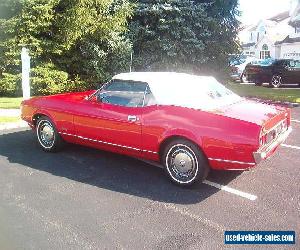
{"type": "Point", "coordinates": [263, 153]}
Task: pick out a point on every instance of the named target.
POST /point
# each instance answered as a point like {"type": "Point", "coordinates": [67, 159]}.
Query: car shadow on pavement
{"type": "Point", "coordinates": [105, 170]}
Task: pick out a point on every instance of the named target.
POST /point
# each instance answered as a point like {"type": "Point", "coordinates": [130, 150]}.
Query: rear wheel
{"type": "Point", "coordinates": [184, 162]}
{"type": "Point", "coordinates": [47, 135]}
{"type": "Point", "coordinates": [276, 81]}
{"type": "Point", "coordinates": [243, 78]}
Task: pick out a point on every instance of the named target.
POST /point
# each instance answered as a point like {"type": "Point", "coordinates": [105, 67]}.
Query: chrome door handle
{"type": "Point", "coordinates": [132, 118]}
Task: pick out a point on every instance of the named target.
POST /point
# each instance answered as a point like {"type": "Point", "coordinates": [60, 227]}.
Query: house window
{"type": "Point", "coordinates": [297, 30]}
{"type": "Point", "coordinates": [265, 52]}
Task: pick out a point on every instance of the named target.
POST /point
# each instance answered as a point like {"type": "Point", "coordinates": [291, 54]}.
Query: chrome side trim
{"type": "Point", "coordinates": [238, 162]}
{"type": "Point", "coordinates": [108, 143]}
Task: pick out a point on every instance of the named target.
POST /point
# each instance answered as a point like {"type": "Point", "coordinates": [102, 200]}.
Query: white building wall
{"type": "Point", "coordinates": [273, 51]}
{"type": "Point", "coordinates": [290, 50]}
{"type": "Point", "coordinates": [259, 45]}
{"type": "Point", "coordinates": [277, 51]}
{"type": "Point", "coordinates": [281, 30]}
{"type": "Point", "coordinates": [244, 36]}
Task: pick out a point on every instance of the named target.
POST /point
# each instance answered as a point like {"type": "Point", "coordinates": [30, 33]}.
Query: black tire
{"type": "Point", "coordinates": [276, 81]}
{"type": "Point", "coordinates": [243, 78]}
{"type": "Point", "coordinates": [184, 162]}
{"type": "Point", "coordinates": [47, 136]}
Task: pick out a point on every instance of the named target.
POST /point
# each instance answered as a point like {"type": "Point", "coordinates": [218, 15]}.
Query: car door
{"type": "Point", "coordinates": [112, 120]}
{"type": "Point", "coordinates": [294, 71]}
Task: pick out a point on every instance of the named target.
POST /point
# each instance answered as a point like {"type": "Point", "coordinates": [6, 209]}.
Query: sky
{"type": "Point", "coordinates": [255, 10]}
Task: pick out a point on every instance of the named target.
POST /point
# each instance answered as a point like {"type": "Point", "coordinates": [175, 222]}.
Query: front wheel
{"type": "Point", "coordinates": [47, 135]}
{"type": "Point", "coordinates": [184, 162]}
{"type": "Point", "coordinates": [244, 78]}
{"type": "Point", "coordinates": [276, 81]}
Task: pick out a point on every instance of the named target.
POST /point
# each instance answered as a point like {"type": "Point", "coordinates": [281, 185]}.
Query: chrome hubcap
{"type": "Point", "coordinates": [244, 78]}
{"type": "Point", "coordinates": [46, 134]}
{"type": "Point", "coordinates": [276, 81]}
{"type": "Point", "coordinates": [182, 163]}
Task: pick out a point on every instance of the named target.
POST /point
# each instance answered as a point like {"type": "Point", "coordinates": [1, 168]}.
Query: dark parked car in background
{"type": "Point", "coordinates": [276, 73]}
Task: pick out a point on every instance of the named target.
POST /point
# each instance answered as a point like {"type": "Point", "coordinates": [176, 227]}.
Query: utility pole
{"type": "Point", "coordinates": [131, 58]}
{"type": "Point", "coordinates": [25, 73]}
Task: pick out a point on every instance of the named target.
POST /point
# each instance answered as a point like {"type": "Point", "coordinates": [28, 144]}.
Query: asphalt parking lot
{"type": "Point", "coordinates": [82, 198]}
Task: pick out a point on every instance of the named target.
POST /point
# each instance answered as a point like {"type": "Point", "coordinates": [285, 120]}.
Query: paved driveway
{"type": "Point", "coordinates": [82, 198]}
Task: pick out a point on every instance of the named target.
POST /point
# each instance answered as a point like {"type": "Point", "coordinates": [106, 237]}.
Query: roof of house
{"type": "Point", "coordinates": [295, 17]}
{"type": "Point", "coordinates": [280, 17]}
{"type": "Point", "coordinates": [246, 27]}
{"type": "Point", "coordinates": [289, 39]}
{"type": "Point", "coordinates": [268, 24]}
{"type": "Point", "coordinates": [247, 45]}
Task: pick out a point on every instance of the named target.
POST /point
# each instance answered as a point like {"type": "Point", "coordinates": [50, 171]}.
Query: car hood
{"type": "Point", "coordinates": [254, 112]}
{"type": "Point", "coordinates": [54, 101]}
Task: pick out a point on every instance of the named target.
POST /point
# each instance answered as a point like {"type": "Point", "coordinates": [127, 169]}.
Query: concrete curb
{"type": "Point", "coordinates": [286, 104]}
{"type": "Point", "coordinates": [13, 125]}
{"type": "Point", "coordinates": [10, 112]}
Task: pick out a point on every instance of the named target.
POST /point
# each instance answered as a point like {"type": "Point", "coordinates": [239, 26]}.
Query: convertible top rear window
{"type": "Point", "coordinates": [120, 85]}
{"type": "Point", "coordinates": [123, 93]}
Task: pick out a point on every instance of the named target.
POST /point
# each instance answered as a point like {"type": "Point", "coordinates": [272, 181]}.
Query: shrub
{"type": "Point", "coordinates": [47, 79]}
{"type": "Point", "coordinates": [10, 85]}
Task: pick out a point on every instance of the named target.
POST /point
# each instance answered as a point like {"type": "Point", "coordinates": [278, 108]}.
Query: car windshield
{"type": "Point", "coordinates": [237, 59]}
{"type": "Point", "coordinates": [265, 62]}
{"type": "Point", "coordinates": [197, 92]}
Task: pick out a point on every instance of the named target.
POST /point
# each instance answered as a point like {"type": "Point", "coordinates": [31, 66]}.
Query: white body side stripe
{"type": "Point", "coordinates": [148, 151]}
{"type": "Point", "coordinates": [108, 143]}
{"type": "Point", "coordinates": [229, 161]}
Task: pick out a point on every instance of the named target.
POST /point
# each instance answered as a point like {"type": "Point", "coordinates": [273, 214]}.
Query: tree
{"type": "Point", "coordinates": [184, 35]}
{"type": "Point", "coordinates": [82, 38]}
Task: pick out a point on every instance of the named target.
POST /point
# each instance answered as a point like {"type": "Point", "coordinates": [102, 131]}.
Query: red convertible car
{"type": "Point", "coordinates": [188, 123]}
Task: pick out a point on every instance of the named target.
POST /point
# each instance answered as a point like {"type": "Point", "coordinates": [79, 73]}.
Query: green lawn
{"type": "Point", "coordinates": [5, 119]}
{"type": "Point", "coordinates": [263, 92]}
{"type": "Point", "coordinates": [10, 102]}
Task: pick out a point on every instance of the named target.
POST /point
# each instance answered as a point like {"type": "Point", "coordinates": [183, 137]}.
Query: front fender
{"type": "Point", "coordinates": [44, 112]}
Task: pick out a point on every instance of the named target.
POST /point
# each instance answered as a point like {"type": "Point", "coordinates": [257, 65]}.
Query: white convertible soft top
{"type": "Point", "coordinates": [185, 90]}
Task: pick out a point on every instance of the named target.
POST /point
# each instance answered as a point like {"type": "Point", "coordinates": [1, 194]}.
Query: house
{"type": "Point", "coordinates": [290, 46]}
{"type": "Point", "coordinates": [276, 37]}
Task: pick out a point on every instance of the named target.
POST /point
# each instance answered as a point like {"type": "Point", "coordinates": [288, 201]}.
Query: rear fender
{"type": "Point", "coordinates": [181, 133]}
